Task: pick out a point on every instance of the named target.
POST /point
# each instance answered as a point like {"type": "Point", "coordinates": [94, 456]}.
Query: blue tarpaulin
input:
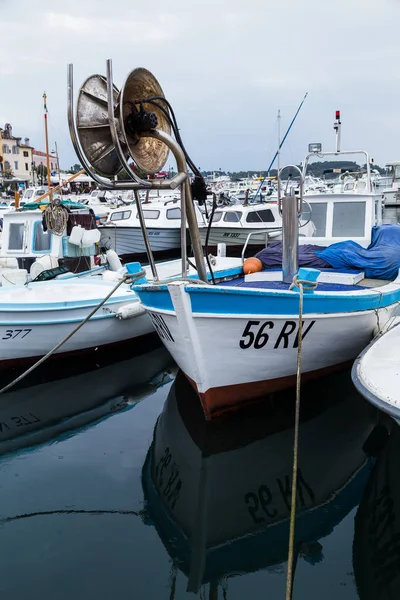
{"type": "Point", "coordinates": [381, 260]}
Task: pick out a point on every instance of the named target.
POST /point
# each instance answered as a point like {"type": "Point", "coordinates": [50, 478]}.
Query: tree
{"type": "Point", "coordinates": [41, 173]}
{"type": "Point", "coordinates": [7, 171]}
{"type": "Point", "coordinates": [75, 168]}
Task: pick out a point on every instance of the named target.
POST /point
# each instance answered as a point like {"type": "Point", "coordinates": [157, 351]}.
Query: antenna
{"type": "Point", "coordinates": [337, 127]}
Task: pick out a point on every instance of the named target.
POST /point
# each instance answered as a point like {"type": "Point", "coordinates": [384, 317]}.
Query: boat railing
{"type": "Point", "coordinates": [261, 231]}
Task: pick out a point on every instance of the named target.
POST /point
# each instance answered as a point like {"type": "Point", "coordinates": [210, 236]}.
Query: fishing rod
{"type": "Point", "coordinates": [280, 145]}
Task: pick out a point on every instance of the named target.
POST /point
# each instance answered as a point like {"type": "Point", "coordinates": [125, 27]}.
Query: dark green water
{"type": "Point", "coordinates": [138, 497]}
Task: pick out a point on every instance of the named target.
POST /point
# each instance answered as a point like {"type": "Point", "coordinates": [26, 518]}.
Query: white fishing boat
{"type": "Point", "coordinates": [252, 224]}
{"type": "Point", "coordinates": [35, 317]}
{"type": "Point", "coordinates": [236, 338]}
{"type": "Point", "coordinates": [239, 338]}
{"type": "Point", "coordinates": [376, 372]}
{"type": "Point", "coordinates": [122, 231]}
{"type": "Point", "coordinates": [391, 193]}
{"type": "Point", "coordinates": [219, 492]}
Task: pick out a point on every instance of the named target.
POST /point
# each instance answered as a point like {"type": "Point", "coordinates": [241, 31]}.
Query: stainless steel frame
{"type": "Point", "coordinates": [181, 179]}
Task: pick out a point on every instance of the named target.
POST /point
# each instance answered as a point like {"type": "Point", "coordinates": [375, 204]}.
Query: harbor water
{"type": "Point", "coordinates": [112, 485]}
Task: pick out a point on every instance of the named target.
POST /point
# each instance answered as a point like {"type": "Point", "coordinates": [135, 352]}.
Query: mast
{"type": "Point", "coordinates": [280, 144]}
{"type": "Point", "coordinates": [47, 143]}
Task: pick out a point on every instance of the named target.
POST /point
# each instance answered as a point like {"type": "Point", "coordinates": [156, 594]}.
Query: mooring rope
{"type": "Point", "coordinates": [56, 217]}
{"type": "Point", "coordinates": [302, 284]}
{"type": "Point", "coordinates": [131, 277]}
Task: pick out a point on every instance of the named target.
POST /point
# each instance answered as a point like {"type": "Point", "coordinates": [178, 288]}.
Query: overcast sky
{"type": "Point", "coordinates": [226, 66]}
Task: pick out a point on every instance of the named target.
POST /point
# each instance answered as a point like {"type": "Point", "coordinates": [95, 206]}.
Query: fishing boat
{"type": "Point", "coordinates": [123, 234]}
{"type": "Point", "coordinates": [240, 337]}
{"type": "Point", "coordinates": [376, 372]}
{"type": "Point", "coordinates": [235, 338]}
{"type": "Point", "coordinates": [253, 225]}
{"type": "Point", "coordinates": [218, 493]}
{"type": "Point", "coordinates": [391, 193]}
{"type": "Point", "coordinates": [35, 317]}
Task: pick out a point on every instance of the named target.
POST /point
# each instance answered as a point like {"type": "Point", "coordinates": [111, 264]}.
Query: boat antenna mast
{"type": "Point", "coordinates": [337, 127]}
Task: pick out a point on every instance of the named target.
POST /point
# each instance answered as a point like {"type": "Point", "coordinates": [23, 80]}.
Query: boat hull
{"type": "Point", "coordinates": [35, 318]}
{"type": "Point", "coordinates": [233, 358]}
{"type": "Point", "coordinates": [128, 241]}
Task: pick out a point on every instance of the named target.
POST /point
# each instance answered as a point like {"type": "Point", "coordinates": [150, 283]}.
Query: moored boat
{"type": "Point", "coordinates": [376, 372]}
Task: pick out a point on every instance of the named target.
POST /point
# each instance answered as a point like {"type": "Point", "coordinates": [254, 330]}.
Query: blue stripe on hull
{"type": "Point", "coordinates": [217, 300]}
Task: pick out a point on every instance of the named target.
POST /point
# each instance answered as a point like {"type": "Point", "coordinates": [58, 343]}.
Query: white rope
{"type": "Point", "coordinates": [302, 284]}
{"type": "Point", "coordinates": [56, 218]}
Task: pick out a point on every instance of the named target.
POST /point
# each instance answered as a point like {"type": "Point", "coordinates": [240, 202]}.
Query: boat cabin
{"type": "Point", "coordinates": [25, 239]}
{"type": "Point", "coordinates": [158, 215]}
{"type": "Point", "coordinates": [348, 213]}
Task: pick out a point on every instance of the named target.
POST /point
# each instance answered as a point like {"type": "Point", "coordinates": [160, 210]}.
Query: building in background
{"type": "Point", "coordinates": [17, 157]}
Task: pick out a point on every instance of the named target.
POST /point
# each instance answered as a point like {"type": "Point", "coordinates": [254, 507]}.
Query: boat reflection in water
{"type": "Point", "coordinates": [219, 492]}
{"type": "Point", "coordinates": [376, 548]}
{"type": "Point", "coordinates": [95, 388]}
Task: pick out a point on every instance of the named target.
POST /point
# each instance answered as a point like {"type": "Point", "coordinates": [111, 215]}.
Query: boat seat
{"type": "Point", "coordinates": [373, 283]}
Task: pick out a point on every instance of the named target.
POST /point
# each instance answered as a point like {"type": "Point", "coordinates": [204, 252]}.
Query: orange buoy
{"type": "Point", "coordinates": [252, 265]}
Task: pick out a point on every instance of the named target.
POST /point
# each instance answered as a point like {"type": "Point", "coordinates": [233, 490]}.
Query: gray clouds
{"type": "Point", "coordinates": [227, 67]}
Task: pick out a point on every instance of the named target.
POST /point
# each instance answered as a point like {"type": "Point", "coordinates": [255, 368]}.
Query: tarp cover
{"type": "Point", "coordinates": [271, 257]}
{"type": "Point", "coordinates": [381, 260]}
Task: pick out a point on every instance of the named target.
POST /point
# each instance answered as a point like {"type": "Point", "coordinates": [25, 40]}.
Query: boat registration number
{"type": "Point", "coordinates": [257, 335]}
{"type": "Point", "coordinates": [11, 334]}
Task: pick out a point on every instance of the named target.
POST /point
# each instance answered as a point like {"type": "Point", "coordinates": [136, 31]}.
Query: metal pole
{"type": "Point", "coordinates": [47, 144]}
{"type": "Point", "coordinates": [290, 210]}
{"type": "Point", "coordinates": [183, 231]}
{"type": "Point", "coordinates": [145, 236]}
{"type": "Point", "coordinates": [290, 237]}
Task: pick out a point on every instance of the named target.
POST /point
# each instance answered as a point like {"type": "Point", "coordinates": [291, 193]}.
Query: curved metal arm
{"type": "Point", "coordinates": [300, 206]}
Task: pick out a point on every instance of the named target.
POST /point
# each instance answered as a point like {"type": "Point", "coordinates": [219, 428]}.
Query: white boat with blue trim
{"type": "Point", "coordinates": [376, 372]}
{"type": "Point", "coordinates": [237, 338]}
{"type": "Point", "coordinates": [36, 317]}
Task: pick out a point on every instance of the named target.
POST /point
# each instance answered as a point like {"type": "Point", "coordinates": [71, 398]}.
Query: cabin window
{"type": "Point", "coordinates": [121, 215]}
{"type": "Point", "coordinates": [28, 194]}
{"type": "Point", "coordinates": [397, 172]}
{"type": "Point", "coordinates": [150, 214]}
{"type": "Point", "coordinates": [232, 217]}
{"type": "Point", "coordinates": [260, 216]}
{"type": "Point", "coordinates": [317, 216]}
{"type": "Point", "coordinates": [39, 193]}
{"type": "Point", "coordinates": [174, 213]}
{"type": "Point", "coordinates": [217, 217]}
{"type": "Point", "coordinates": [348, 219]}
{"type": "Point", "coordinates": [361, 186]}
{"type": "Point", "coordinates": [41, 239]}
{"type": "Point", "coordinates": [349, 187]}
{"type": "Point", "coordinates": [16, 238]}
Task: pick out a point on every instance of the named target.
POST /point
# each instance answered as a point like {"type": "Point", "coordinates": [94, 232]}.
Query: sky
{"type": "Point", "coordinates": [226, 66]}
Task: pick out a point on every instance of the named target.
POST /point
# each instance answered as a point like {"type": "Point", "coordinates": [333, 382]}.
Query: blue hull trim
{"type": "Point", "coordinates": [245, 301]}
